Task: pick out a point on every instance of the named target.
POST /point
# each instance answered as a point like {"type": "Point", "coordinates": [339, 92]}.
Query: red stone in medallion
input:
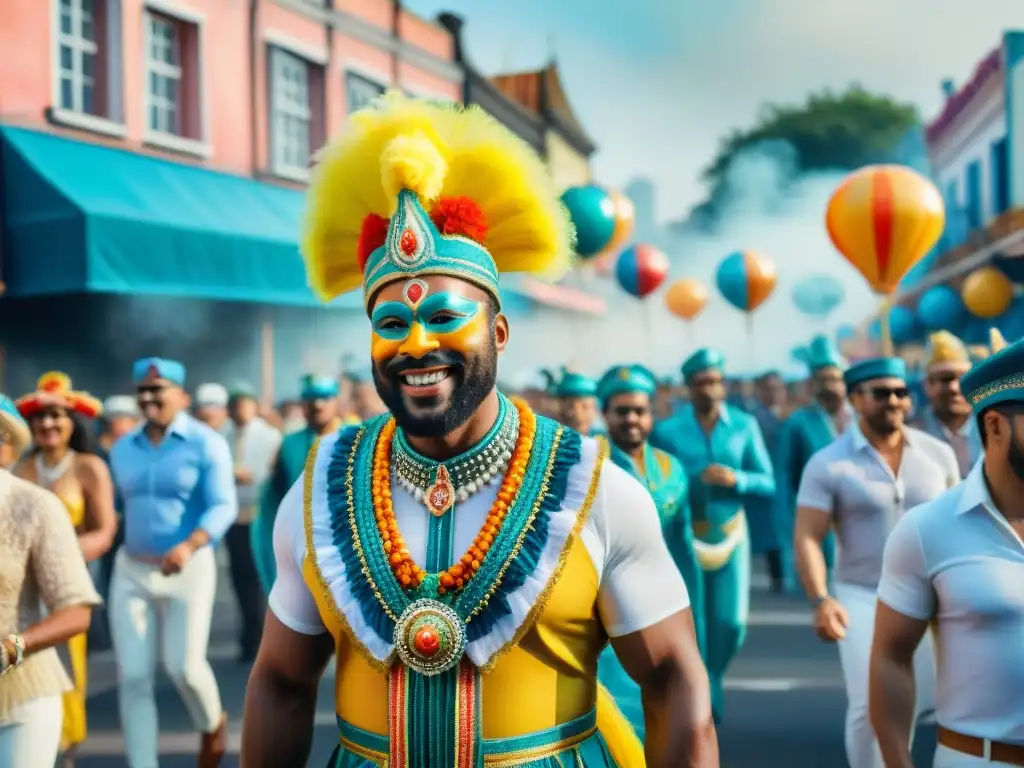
{"type": "Point", "coordinates": [408, 242]}
{"type": "Point", "coordinates": [441, 494]}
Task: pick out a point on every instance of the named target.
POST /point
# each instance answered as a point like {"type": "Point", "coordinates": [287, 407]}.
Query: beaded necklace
{"type": "Point", "coordinates": [409, 574]}
{"type": "Point", "coordinates": [429, 481]}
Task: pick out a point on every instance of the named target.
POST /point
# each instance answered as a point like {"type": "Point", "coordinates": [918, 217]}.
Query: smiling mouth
{"type": "Point", "coordinates": [425, 377]}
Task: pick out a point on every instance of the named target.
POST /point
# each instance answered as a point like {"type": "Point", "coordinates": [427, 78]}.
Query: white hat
{"type": "Point", "coordinates": [211, 395]}
{"type": "Point", "coordinates": [120, 405]}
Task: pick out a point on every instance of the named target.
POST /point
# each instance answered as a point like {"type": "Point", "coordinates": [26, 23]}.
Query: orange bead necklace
{"type": "Point", "coordinates": [407, 572]}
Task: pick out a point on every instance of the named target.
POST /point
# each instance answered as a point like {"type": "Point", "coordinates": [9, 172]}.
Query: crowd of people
{"type": "Point", "coordinates": [606, 532]}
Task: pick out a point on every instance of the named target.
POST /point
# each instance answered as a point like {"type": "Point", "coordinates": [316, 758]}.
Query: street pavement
{"type": "Point", "coordinates": [784, 698]}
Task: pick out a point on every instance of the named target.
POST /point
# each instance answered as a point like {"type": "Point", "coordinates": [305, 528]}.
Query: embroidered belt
{"type": "Point", "coordinates": [713, 557]}
{"type": "Point", "coordinates": [497, 753]}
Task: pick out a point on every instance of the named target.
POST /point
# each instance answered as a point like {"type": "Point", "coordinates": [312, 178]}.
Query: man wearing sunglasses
{"type": "Point", "coordinates": [948, 415]}
{"type": "Point", "coordinates": [176, 478]}
{"type": "Point", "coordinates": [860, 485]}
{"type": "Point", "coordinates": [956, 564]}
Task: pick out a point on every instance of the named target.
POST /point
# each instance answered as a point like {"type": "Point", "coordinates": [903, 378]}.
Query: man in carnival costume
{"type": "Point", "coordinates": [948, 414]}
{"type": "Point", "coordinates": [465, 559]}
{"type": "Point", "coordinates": [320, 405]}
{"type": "Point", "coordinates": [804, 433]}
{"type": "Point", "coordinates": [727, 464]}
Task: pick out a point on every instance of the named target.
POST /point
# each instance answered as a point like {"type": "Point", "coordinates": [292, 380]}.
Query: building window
{"type": "Point", "coordinates": [361, 91]}
{"type": "Point", "coordinates": [297, 112]}
{"type": "Point", "coordinates": [1000, 178]}
{"type": "Point", "coordinates": [172, 77]}
{"type": "Point", "coordinates": [82, 50]}
{"type": "Point", "coordinates": [973, 202]}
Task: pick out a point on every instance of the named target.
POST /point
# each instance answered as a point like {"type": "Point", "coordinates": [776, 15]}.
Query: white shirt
{"type": "Point", "coordinates": [958, 561]}
{"type": "Point", "coordinates": [850, 481]}
{"type": "Point", "coordinates": [254, 447]}
{"type": "Point", "coordinates": [639, 584]}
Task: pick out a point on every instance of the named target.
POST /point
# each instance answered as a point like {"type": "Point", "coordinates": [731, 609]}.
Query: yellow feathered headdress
{"type": "Point", "coordinates": [413, 188]}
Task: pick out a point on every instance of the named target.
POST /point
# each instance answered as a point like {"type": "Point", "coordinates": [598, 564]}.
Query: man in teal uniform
{"type": "Point", "coordinates": [577, 401]}
{"type": "Point", "coordinates": [767, 407]}
{"type": "Point", "coordinates": [320, 403]}
{"type": "Point", "coordinates": [727, 465]}
{"type": "Point", "coordinates": [804, 433]}
{"type": "Point", "coordinates": [626, 395]}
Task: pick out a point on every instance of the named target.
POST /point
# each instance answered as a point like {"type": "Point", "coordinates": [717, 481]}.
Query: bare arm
{"type": "Point", "coordinates": [280, 699]}
{"type": "Point", "coordinates": [665, 662]}
{"type": "Point", "coordinates": [891, 683]}
{"type": "Point", "coordinates": [100, 518]}
{"type": "Point", "coordinates": [812, 526]}
{"type": "Point", "coordinates": [906, 603]}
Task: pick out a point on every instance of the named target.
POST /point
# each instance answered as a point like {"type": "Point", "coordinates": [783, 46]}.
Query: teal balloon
{"type": "Point", "coordinates": [904, 325]}
{"type": "Point", "coordinates": [941, 309]}
{"type": "Point", "coordinates": [592, 211]}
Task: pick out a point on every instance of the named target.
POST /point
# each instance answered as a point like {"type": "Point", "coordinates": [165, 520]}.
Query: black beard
{"type": "Point", "coordinates": [1015, 456]}
{"type": "Point", "coordinates": [475, 378]}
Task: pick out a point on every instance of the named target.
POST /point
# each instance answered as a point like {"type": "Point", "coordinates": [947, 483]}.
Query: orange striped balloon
{"type": "Point", "coordinates": [884, 219]}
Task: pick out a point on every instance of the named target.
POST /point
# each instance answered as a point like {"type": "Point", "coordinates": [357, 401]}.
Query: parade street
{"type": "Point", "coordinates": [784, 705]}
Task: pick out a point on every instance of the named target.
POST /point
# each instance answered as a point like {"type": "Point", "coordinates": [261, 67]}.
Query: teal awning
{"type": "Point", "coordinates": [79, 217]}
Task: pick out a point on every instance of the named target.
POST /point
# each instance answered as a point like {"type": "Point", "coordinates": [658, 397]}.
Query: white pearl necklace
{"type": "Point", "coordinates": [48, 476]}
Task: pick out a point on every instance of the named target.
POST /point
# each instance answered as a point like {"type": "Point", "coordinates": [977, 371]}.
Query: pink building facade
{"type": "Point", "coordinates": [252, 88]}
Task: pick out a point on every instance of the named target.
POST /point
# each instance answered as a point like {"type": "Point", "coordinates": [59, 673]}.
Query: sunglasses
{"type": "Point", "coordinates": [150, 389]}
{"type": "Point", "coordinates": [944, 378]}
{"type": "Point", "coordinates": [883, 394]}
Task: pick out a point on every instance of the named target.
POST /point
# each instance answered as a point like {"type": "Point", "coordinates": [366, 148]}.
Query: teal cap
{"type": "Point", "coordinates": [13, 427]}
{"type": "Point", "coordinates": [158, 368]}
{"type": "Point", "coordinates": [702, 360]}
{"type": "Point", "coordinates": [319, 387]}
{"type": "Point", "coordinates": [575, 385]}
{"type": "Point", "coordinates": [822, 353]}
{"type": "Point", "coordinates": [414, 246]}
{"type": "Point", "coordinates": [996, 379]}
{"type": "Point", "coordinates": [875, 368]}
{"type": "Point", "coordinates": [624, 379]}
{"type": "Point", "coordinates": [241, 389]}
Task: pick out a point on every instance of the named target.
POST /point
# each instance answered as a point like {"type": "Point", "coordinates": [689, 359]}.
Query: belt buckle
{"type": "Point", "coordinates": [986, 750]}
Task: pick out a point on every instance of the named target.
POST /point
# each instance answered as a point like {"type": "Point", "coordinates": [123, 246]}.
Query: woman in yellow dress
{"type": "Point", "coordinates": [62, 461]}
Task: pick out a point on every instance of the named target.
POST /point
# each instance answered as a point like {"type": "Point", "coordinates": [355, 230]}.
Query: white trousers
{"type": "Point", "coordinates": [151, 613]}
{"type": "Point", "coordinates": [31, 737]}
{"type": "Point", "coordinates": [855, 656]}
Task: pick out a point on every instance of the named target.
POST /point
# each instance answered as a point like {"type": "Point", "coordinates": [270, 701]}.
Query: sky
{"type": "Point", "coordinates": [658, 83]}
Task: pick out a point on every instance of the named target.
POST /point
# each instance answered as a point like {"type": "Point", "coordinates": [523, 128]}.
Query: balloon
{"type": "Point", "coordinates": [844, 332]}
{"type": "Point", "coordinates": [625, 221]}
{"type": "Point", "coordinates": [940, 308]}
{"type": "Point", "coordinates": [641, 268]}
{"type": "Point", "coordinates": [745, 279]}
{"type": "Point", "coordinates": [884, 219]}
{"type": "Point", "coordinates": [686, 298]}
{"type": "Point", "coordinates": [592, 211]}
{"type": "Point", "coordinates": [1011, 266]}
{"type": "Point", "coordinates": [987, 292]}
{"type": "Point", "coordinates": [904, 325]}
{"type": "Point", "coordinates": [818, 295]}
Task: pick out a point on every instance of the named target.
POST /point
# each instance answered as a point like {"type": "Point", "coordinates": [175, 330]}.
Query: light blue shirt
{"type": "Point", "coordinates": [170, 490]}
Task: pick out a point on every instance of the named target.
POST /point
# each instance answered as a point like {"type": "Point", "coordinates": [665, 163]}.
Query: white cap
{"type": "Point", "coordinates": [211, 395]}
{"type": "Point", "coordinates": [120, 405]}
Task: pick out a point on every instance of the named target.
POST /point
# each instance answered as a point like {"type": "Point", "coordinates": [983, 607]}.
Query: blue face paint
{"type": "Point", "coordinates": [439, 314]}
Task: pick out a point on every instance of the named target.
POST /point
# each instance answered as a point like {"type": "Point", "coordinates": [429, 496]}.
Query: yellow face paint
{"type": "Point", "coordinates": [422, 324]}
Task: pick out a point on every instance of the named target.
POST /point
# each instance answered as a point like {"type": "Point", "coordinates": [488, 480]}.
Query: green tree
{"type": "Point", "coordinates": [829, 132]}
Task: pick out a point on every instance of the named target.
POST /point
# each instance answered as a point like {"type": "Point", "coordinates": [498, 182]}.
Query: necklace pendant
{"type": "Point", "coordinates": [441, 495]}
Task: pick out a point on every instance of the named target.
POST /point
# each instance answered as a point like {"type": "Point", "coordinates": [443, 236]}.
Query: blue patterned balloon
{"type": "Point", "coordinates": [940, 308]}
{"type": "Point", "coordinates": [592, 211]}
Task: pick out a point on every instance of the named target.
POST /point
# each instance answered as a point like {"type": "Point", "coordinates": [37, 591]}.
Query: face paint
{"type": "Point", "coordinates": [421, 324]}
